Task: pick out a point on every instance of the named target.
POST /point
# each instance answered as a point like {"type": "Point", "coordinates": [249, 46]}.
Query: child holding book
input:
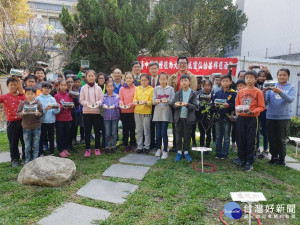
{"type": "Point", "coordinates": [185, 104]}
{"type": "Point", "coordinates": [31, 111]}
{"type": "Point", "coordinates": [111, 115]}
{"type": "Point", "coordinates": [247, 121]}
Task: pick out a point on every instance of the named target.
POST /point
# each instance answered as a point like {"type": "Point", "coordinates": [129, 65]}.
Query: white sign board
{"type": "Point", "coordinates": [201, 149]}
{"type": "Point", "coordinates": [247, 196]}
{"type": "Point", "coordinates": [85, 63]}
{"type": "Point", "coordinates": [295, 139]}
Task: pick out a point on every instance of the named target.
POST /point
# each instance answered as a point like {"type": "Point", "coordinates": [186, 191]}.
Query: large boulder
{"type": "Point", "coordinates": [47, 171]}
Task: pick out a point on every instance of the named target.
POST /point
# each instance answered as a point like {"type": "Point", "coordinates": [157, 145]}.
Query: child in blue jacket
{"type": "Point", "coordinates": [223, 110]}
{"type": "Point", "coordinates": [279, 113]}
{"type": "Point", "coordinates": [48, 119]}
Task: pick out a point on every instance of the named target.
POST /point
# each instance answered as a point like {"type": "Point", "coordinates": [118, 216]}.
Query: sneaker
{"type": "Point", "coordinates": [158, 153]}
{"type": "Point", "coordinates": [146, 151]}
{"type": "Point", "coordinates": [281, 162]}
{"type": "Point", "coordinates": [165, 155]}
{"type": "Point", "coordinates": [131, 148]}
{"type": "Point", "coordinates": [178, 157]}
{"type": "Point", "coordinates": [66, 152]}
{"type": "Point", "coordinates": [263, 155]}
{"type": "Point", "coordinates": [273, 160]}
{"type": "Point", "coordinates": [243, 164]}
{"type": "Point", "coordinates": [62, 154]}
{"type": "Point", "coordinates": [126, 149]}
{"type": "Point", "coordinates": [248, 167]}
{"type": "Point", "coordinates": [97, 152]}
{"type": "Point", "coordinates": [15, 163]}
{"type": "Point", "coordinates": [87, 153]}
{"type": "Point", "coordinates": [236, 161]}
{"type": "Point", "coordinates": [139, 151]}
{"type": "Point", "coordinates": [188, 157]}
{"type": "Point", "coordinates": [217, 156]}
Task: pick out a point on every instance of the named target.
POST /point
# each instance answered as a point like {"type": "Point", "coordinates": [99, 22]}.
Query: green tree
{"type": "Point", "coordinates": [117, 31]}
{"type": "Point", "coordinates": [204, 27]}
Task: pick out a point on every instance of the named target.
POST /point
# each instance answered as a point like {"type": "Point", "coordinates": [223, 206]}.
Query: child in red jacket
{"type": "Point", "coordinates": [63, 119]}
{"type": "Point", "coordinates": [11, 102]}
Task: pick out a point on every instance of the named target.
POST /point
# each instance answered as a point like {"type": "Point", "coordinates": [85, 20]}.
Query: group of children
{"type": "Point", "coordinates": [36, 109]}
{"type": "Point", "coordinates": [267, 108]}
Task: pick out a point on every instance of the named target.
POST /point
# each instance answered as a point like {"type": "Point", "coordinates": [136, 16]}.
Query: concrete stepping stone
{"type": "Point", "coordinates": [107, 191]}
{"type": "Point", "coordinates": [290, 159]}
{"type": "Point", "coordinates": [139, 159]}
{"type": "Point", "coordinates": [126, 171]}
{"type": "Point", "coordinates": [295, 166]}
{"type": "Point", "coordinates": [287, 158]}
{"type": "Point", "coordinates": [4, 157]}
{"type": "Point", "coordinates": [75, 214]}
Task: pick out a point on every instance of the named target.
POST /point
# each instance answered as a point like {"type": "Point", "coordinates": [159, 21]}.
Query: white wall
{"type": "Point", "coordinates": [272, 24]}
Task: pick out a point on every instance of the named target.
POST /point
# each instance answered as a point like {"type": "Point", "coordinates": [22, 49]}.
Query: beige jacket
{"type": "Point", "coordinates": [172, 81]}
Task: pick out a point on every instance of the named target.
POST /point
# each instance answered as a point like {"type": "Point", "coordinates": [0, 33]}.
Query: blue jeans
{"type": "Point", "coordinates": [222, 131]}
{"type": "Point", "coordinates": [111, 130]}
{"type": "Point", "coordinates": [32, 143]}
{"type": "Point", "coordinates": [161, 133]}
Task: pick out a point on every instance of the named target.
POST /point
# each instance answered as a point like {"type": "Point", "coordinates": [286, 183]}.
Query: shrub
{"type": "Point", "coordinates": [295, 127]}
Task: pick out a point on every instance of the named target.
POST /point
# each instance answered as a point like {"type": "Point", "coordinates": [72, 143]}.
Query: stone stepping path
{"type": "Point", "coordinates": [139, 159]}
{"type": "Point", "coordinates": [126, 171]}
{"type": "Point", "coordinates": [74, 214]}
{"type": "Point", "coordinates": [295, 166]}
{"type": "Point", "coordinates": [4, 157]}
{"type": "Point", "coordinates": [287, 158]}
{"type": "Point", "coordinates": [107, 191]}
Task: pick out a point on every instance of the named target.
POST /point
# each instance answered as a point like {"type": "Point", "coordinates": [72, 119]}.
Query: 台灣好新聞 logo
{"type": "Point", "coordinates": [232, 210]}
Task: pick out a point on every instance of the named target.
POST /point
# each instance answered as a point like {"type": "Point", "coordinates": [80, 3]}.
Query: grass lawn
{"type": "Point", "coordinates": [170, 193]}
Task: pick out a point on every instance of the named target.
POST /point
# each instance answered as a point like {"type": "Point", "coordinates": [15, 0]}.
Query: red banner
{"type": "Point", "coordinates": [196, 65]}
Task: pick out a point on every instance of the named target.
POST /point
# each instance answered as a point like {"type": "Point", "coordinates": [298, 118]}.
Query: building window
{"type": "Point", "coordinates": [55, 23]}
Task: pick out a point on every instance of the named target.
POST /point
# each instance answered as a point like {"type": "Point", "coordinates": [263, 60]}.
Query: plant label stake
{"type": "Point", "coordinates": [249, 198]}
{"type": "Point", "coordinates": [201, 149]}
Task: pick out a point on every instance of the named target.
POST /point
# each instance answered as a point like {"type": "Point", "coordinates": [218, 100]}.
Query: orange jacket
{"type": "Point", "coordinates": [254, 98]}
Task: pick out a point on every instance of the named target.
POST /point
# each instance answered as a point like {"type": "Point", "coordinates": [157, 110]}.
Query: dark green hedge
{"type": "Point", "coordinates": [295, 127]}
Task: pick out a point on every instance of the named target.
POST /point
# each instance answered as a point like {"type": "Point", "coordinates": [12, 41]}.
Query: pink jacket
{"type": "Point", "coordinates": [64, 114]}
{"type": "Point", "coordinates": [91, 95]}
{"type": "Point", "coordinates": [126, 94]}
